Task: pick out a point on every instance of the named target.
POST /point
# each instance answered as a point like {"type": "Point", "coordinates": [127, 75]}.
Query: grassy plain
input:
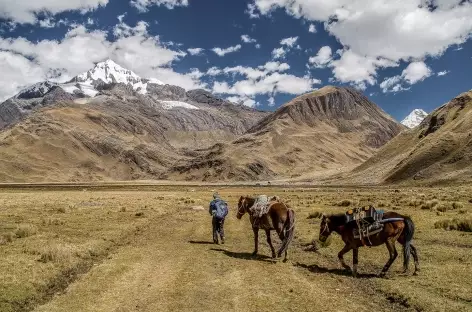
{"type": "Point", "coordinates": [147, 248]}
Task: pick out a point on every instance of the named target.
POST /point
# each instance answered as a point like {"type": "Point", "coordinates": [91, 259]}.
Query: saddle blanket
{"type": "Point", "coordinates": [261, 205]}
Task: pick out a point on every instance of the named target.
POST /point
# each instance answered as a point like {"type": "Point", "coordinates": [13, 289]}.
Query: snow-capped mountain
{"type": "Point", "coordinates": [109, 72]}
{"type": "Point", "coordinates": [36, 91]}
{"type": "Point", "coordinates": [414, 118]}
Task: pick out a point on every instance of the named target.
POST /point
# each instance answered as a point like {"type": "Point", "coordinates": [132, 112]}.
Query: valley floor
{"type": "Point", "coordinates": [143, 248]}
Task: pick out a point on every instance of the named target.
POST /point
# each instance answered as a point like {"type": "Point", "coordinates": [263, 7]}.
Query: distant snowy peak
{"type": "Point", "coordinates": [109, 72]}
{"type": "Point", "coordinates": [36, 91]}
{"type": "Point", "coordinates": [414, 118]}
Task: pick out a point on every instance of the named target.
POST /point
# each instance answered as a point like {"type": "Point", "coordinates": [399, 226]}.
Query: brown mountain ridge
{"type": "Point", "coordinates": [328, 130]}
{"type": "Point", "coordinates": [440, 148]}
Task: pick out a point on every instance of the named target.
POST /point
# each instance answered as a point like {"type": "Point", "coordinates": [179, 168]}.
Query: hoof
{"type": "Point", "coordinates": [254, 254]}
{"type": "Point", "coordinates": [415, 273]}
{"type": "Point", "coordinates": [382, 274]}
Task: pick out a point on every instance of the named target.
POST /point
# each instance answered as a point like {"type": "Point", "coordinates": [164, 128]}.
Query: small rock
{"type": "Point", "coordinates": [197, 208]}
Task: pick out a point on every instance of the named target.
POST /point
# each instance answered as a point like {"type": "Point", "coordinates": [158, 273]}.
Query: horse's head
{"type": "Point", "coordinates": [325, 228]}
{"type": "Point", "coordinates": [242, 206]}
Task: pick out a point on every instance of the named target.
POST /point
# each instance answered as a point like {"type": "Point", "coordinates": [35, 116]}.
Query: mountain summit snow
{"type": "Point", "coordinates": [109, 72]}
{"type": "Point", "coordinates": [414, 118]}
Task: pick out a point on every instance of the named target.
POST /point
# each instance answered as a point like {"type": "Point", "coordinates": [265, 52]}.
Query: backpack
{"type": "Point", "coordinates": [221, 209]}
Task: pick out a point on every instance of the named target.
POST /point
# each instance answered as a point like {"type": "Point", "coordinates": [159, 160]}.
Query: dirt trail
{"type": "Point", "coordinates": [172, 267]}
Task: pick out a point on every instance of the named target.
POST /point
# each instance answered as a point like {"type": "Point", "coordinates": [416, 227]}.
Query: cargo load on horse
{"type": "Point", "coordinates": [261, 207]}
{"type": "Point", "coordinates": [367, 222]}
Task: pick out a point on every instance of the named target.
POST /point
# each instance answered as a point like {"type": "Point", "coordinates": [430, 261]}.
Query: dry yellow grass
{"type": "Point", "coordinates": [161, 260]}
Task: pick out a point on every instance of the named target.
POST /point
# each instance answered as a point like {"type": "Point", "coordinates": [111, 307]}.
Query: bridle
{"type": "Point", "coordinates": [242, 207]}
{"type": "Point", "coordinates": [325, 229]}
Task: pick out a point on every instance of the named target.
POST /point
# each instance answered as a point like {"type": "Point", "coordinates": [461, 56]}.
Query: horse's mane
{"type": "Point", "coordinates": [337, 219]}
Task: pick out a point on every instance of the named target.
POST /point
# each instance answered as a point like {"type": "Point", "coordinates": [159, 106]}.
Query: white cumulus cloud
{"type": "Point", "coordinates": [312, 28]}
{"type": "Point", "coordinates": [382, 29]}
{"type": "Point", "coordinates": [247, 39]}
{"type": "Point", "coordinates": [143, 5]}
{"type": "Point", "coordinates": [279, 53]}
{"type": "Point", "coordinates": [24, 11]}
{"type": "Point", "coordinates": [195, 51]}
{"type": "Point", "coordinates": [223, 52]}
{"type": "Point", "coordinates": [26, 62]}
{"type": "Point", "coordinates": [267, 79]}
{"type": "Point", "coordinates": [413, 73]}
{"type": "Point", "coordinates": [322, 58]}
{"type": "Point", "coordinates": [443, 73]}
{"type": "Point", "coordinates": [289, 42]}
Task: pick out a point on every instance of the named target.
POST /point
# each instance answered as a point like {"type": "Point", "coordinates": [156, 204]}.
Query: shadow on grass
{"type": "Point", "coordinates": [321, 270]}
{"type": "Point", "coordinates": [201, 242]}
{"type": "Point", "coordinates": [245, 255]}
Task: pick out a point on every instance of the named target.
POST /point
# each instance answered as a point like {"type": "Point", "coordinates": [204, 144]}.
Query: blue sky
{"type": "Point", "coordinates": [402, 55]}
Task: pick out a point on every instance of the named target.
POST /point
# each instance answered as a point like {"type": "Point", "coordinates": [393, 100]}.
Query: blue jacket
{"type": "Point", "coordinates": [213, 206]}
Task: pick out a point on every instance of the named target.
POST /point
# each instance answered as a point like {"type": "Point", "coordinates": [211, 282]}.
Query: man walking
{"type": "Point", "coordinates": [219, 210]}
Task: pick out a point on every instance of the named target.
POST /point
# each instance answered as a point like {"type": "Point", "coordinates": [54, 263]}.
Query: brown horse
{"type": "Point", "coordinates": [398, 230]}
{"type": "Point", "coordinates": [279, 218]}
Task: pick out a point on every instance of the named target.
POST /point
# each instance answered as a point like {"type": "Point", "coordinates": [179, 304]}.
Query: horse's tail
{"type": "Point", "coordinates": [408, 231]}
{"type": "Point", "coordinates": [289, 231]}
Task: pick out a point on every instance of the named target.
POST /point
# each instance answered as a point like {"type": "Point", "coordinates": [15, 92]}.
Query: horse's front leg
{"type": "Point", "coordinates": [256, 240]}
{"type": "Point", "coordinates": [393, 255]}
{"type": "Point", "coordinates": [355, 260]}
{"type": "Point", "coordinates": [341, 254]}
{"type": "Point", "coordinates": [269, 241]}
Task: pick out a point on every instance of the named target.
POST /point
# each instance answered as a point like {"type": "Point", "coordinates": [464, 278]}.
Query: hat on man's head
{"type": "Point", "coordinates": [216, 195]}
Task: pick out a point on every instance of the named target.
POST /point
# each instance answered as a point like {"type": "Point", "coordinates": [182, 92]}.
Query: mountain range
{"type": "Point", "coordinates": [110, 124]}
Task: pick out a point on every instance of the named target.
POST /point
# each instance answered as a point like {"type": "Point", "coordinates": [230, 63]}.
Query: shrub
{"type": "Point", "coordinates": [457, 205]}
{"type": "Point", "coordinates": [123, 209]}
{"type": "Point", "coordinates": [25, 230]}
{"type": "Point", "coordinates": [61, 210]}
{"type": "Point", "coordinates": [344, 203]}
{"type": "Point", "coordinates": [442, 208]}
{"type": "Point", "coordinates": [462, 211]}
{"type": "Point", "coordinates": [315, 215]}
{"type": "Point", "coordinates": [57, 253]}
{"type": "Point", "coordinates": [455, 224]}
{"type": "Point", "coordinates": [416, 202]}
{"type": "Point", "coordinates": [6, 238]}
{"type": "Point", "coordinates": [430, 204]}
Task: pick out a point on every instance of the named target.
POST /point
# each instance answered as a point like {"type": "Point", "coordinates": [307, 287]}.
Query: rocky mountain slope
{"type": "Point", "coordinates": [332, 128]}
{"type": "Point", "coordinates": [414, 118]}
{"type": "Point", "coordinates": [440, 148]}
{"type": "Point", "coordinates": [53, 133]}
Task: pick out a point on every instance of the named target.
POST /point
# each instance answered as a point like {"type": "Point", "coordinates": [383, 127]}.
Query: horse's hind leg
{"type": "Point", "coordinates": [256, 240]}
{"type": "Point", "coordinates": [269, 241]}
{"type": "Point", "coordinates": [393, 255]}
{"type": "Point", "coordinates": [341, 254]}
{"type": "Point", "coordinates": [355, 260]}
{"type": "Point", "coordinates": [415, 257]}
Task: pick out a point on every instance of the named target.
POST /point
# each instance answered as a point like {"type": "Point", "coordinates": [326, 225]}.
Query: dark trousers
{"type": "Point", "coordinates": [218, 227]}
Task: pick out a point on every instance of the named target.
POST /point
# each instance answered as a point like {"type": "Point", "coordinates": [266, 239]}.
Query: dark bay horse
{"type": "Point", "coordinates": [401, 231]}
{"type": "Point", "coordinates": [279, 218]}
